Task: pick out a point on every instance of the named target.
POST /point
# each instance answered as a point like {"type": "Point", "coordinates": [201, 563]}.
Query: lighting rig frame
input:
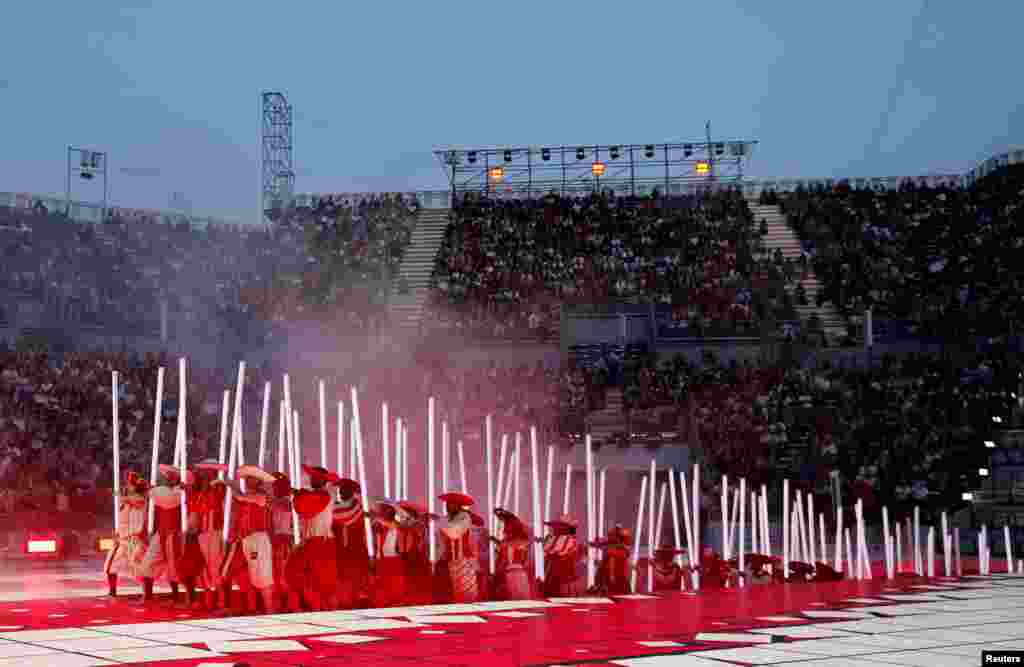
{"type": "Point", "coordinates": [624, 168]}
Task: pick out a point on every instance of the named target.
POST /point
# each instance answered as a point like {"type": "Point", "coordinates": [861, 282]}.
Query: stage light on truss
{"type": "Point", "coordinates": [471, 157]}
{"type": "Point", "coordinates": [580, 154]}
{"type": "Point", "coordinates": [648, 151]}
{"type": "Point", "coordinates": [989, 444]}
{"type": "Point", "coordinates": [90, 163]}
{"type": "Point", "coordinates": [508, 155]}
{"type": "Point", "coordinates": [688, 150]}
{"type": "Point", "coordinates": [597, 168]}
{"type": "Point", "coordinates": [719, 149]}
{"type": "Point", "coordinates": [497, 173]}
{"type": "Point", "coordinates": [967, 495]}
{"type": "Point", "coordinates": [982, 472]}
{"type": "Point", "coordinates": [702, 167]}
{"type": "Point", "coordinates": [614, 153]}
{"type": "Point", "coordinates": [545, 154]}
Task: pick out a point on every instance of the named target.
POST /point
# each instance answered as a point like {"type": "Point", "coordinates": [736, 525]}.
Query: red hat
{"type": "Point", "coordinates": [318, 474]}
{"type": "Point", "coordinates": [412, 508]}
{"type": "Point", "coordinates": [211, 465]}
{"type": "Point", "coordinates": [134, 479]}
{"type": "Point", "coordinates": [385, 510]}
{"type": "Point", "coordinates": [255, 472]}
{"type": "Point", "coordinates": [311, 502]}
{"type": "Point", "coordinates": [564, 521]}
{"type": "Point", "coordinates": [457, 499]}
{"type": "Point", "coordinates": [514, 526]}
{"type": "Point", "coordinates": [167, 470]}
{"type": "Point", "coordinates": [505, 515]}
{"type": "Point", "coordinates": [346, 484]}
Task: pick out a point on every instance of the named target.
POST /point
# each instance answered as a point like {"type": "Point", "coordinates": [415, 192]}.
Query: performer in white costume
{"type": "Point", "coordinates": [131, 540]}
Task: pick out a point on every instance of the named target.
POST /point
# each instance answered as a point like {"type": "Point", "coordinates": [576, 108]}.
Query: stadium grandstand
{"type": "Point", "coordinates": [860, 330]}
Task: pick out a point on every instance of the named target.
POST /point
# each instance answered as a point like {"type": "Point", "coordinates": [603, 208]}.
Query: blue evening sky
{"type": "Point", "coordinates": [171, 89]}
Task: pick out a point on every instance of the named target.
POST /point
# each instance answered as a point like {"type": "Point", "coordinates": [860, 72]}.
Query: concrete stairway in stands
{"type": "Point", "coordinates": [781, 236]}
{"type": "Point", "coordinates": [606, 423]}
{"type": "Point", "coordinates": [416, 267]}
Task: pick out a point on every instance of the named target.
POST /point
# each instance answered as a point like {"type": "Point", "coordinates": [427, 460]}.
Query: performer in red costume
{"type": "Point", "coordinates": [668, 574]}
{"type": "Point", "coordinates": [715, 571]}
{"type": "Point", "coordinates": [312, 568]}
{"type": "Point", "coordinates": [459, 566]}
{"type": "Point", "coordinates": [562, 555]}
{"type": "Point", "coordinates": [206, 535]}
{"type": "Point", "coordinates": [252, 543]}
{"type": "Point", "coordinates": [283, 540]}
{"type": "Point", "coordinates": [349, 529]}
{"type": "Point", "coordinates": [514, 567]}
{"type": "Point", "coordinates": [613, 571]}
{"type": "Point", "coordinates": [163, 554]}
{"type": "Point", "coordinates": [413, 524]}
{"type": "Point", "coordinates": [389, 582]}
{"type": "Point", "coordinates": [131, 541]}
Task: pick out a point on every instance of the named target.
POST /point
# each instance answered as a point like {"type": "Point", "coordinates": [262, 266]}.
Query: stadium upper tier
{"type": "Point", "coordinates": [333, 260]}
{"type": "Point", "coordinates": [939, 251]}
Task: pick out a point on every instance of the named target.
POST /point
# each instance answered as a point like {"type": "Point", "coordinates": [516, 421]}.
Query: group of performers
{"type": "Point", "coordinates": [329, 566]}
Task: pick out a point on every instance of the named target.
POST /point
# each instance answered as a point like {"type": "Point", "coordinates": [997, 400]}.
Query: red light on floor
{"type": "Point", "coordinates": [41, 546]}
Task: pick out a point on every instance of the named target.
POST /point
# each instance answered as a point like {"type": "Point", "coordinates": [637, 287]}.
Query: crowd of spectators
{"type": "Point", "coordinates": [506, 267]}
{"type": "Point", "coordinates": [55, 422]}
{"type": "Point", "coordinates": [332, 260]}
{"type": "Point", "coordinates": [947, 258]}
{"type": "Point", "coordinates": [903, 431]}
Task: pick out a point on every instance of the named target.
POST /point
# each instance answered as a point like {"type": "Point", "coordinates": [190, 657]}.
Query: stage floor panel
{"type": "Point", "coordinates": [63, 619]}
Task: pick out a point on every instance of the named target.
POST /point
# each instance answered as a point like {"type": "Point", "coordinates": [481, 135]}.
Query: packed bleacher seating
{"type": "Point", "coordinates": [894, 432]}
{"type": "Point", "coordinates": [946, 258]}
{"type": "Point", "coordinates": [506, 267]}
{"type": "Point", "coordinates": [333, 260]}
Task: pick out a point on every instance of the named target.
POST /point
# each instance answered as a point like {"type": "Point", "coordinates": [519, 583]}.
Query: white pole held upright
{"type": "Point", "coordinates": [550, 480]}
{"type": "Point", "coordinates": [678, 559]}
{"type": "Point", "coordinates": [537, 523]}
{"type": "Point", "coordinates": [264, 419]}
{"type": "Point", "coordinates": [323, 424]}
{"type": "Point", "coordinates": [430, 476]}
{"type": "Point", "coordinates": [116, 419]}
{"type": "Point", "coordinates": [385, 443]}
{"type": "Point", "coordinates": [341, 439]}
{"type": "Point", "coordinates": [489, 462]}
{"type": "Point", "coordinates": [158, 415]}
{"type": "Point", "coordinates": [638, 534]}
{"type": "Point", "coordinates": [652, 488]}
{"type": "Point", "coordinates": [224, 421]}
{"type": "Point", "coordinates": [568, 486]}
{"type": "Point", "coordinates": [590, 510]}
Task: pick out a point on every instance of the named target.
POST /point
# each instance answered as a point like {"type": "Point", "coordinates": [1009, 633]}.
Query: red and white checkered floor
{"type": "Point", "coordinates": [58, 620]}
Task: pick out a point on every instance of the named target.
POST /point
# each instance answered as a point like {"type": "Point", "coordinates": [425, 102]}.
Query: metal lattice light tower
{"type": "Point", "coordinates": [278, 174]}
